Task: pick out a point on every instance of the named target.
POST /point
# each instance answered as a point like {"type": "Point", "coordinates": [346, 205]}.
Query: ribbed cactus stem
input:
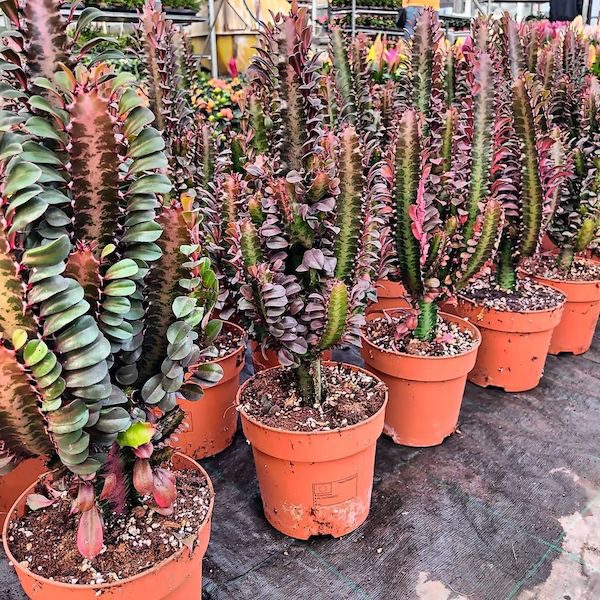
{"type": "Point", "coordinates": [310, 380]}
{"type": "Point", "coordinates": [565, 258]}
{"type": "Point", "coordinates": [506, 276]}
{"type": "Point", "coordinates": [427, 323]}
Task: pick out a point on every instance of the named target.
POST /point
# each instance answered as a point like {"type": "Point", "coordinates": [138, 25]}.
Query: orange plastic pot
{"type": "Point", "coordinates": [390, 294]}
{"type": "Point", "coordinates": [212, 421]}
{"type": "Point", "coordinates": [13, 484]}
{"type": "Point", "coordinates": [425, 392]}
{"type": "Point", "coordinates": [269, 359]}
{"type": "Point", "coordinates": [514, 345]}
{"type": "Point", "coordinates": [178, 577]}
{"type": "Point", "coordinates": [315, 483]}
{"type": "Point", "coordinates": [576, 329]}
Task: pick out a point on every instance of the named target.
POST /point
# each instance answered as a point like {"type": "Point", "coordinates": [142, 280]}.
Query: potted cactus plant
{"type": "Point", "coordinates": [97, 335]}
{"type": "Point", "coordinates": [445, 223]}
{"type": "Point", "coordinates": [516, 316]}
{"type": "Point", "coordinates": [212, 423]}
{"type": "Point", "coordinates": [575, 226]}
{"type": "Point", "coordinates": [304, 255]}
{"type": "Point", "coordinates": [420, 86]}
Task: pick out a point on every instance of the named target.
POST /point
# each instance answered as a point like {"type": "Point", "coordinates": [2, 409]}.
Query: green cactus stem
{"type": "Point", "coordinates": [565, 258]}
{"type": "Point", "coordinates": [427, 322]}
{"type": "Point", "coordinates": [506, 276]}
{"type": "Point", "coordinates": [309, 378]}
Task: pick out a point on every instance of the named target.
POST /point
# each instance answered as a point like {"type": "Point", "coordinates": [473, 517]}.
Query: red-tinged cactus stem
{"type": "Point", "coordinates": [516, 59]}
{"type": "Point", "coordinates": [424, 52]}
{"type": "Point", "coordinates": [94, 169]}
{"type": "Point", "coordinates": [47, 34]}
{"type": "Point", "coordinates": [483, 116]}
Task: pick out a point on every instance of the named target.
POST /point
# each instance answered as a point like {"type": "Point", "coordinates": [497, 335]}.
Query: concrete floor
{"type": "Point", "coordinates": [507, 508]}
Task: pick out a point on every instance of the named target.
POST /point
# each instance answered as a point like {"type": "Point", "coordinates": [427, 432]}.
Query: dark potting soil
{"type": "Point", "coordinates": [450, 339]}
{"type": "Point", "coordinates": [44, 541]}
{"type": "Point", "coordinates": [529, 296]}
{"type": "Point", "coordinates": [272, 398]}
{"type": "Point", "coordinates": [581, 270]}
{"type": "Point", "coordinates": [226, 343]}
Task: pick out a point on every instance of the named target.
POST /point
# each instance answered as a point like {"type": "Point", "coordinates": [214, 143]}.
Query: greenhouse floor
{"type": "Point", "coordinates": [508, 507]}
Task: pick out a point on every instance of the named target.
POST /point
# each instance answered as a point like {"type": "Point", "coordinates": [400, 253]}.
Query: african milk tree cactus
{"type": "Point", "coordinates": [305, 248]}
{"type": "Point", "coordinates": [101, 320]}
{"type": "Point", "coordinates": [575, 116]}
{"type": "Point", "coordinates": [446, 214]}
{"type": "Point", "coordinates": [356, 91]}
{"type": "Point", "coordinates": [525, 172]}
{"type": "Point", "coordinates": [160, 48]}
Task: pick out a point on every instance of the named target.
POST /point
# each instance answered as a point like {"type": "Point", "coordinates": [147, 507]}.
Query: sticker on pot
{"type": "Point", "coordinates": [335, 492]}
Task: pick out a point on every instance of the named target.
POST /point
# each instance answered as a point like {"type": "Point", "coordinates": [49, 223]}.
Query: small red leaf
{"type": "Point", "coordinates": [142, 477]}
{"type": "Point", "coordinates": [37, 501]}
{"type": "Point", "coordinates": [110, 483]}
{"type": "Point", "coordinates": [164, 491]}
{"type": "Point", "coordinates": [144, 451]}
{"type": "Point", "coordinates": [85, 497]}
{"type": "Point", "coordinates": [90, 534]}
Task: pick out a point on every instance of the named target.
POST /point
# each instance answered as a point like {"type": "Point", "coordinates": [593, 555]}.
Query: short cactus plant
{"type": "Point", "coordinates": [107, 301]}
{"type": "Point", "coordinates": [304, 248]}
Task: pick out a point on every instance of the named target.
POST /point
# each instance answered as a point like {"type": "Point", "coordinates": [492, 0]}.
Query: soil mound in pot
{"type": "Point", "coordinates": [44, 541]}
{"type": "Point", "coordinates": [582, 269]}
{"type": "Point", "coordinates": [450, 339]}
{"type": "Point", "coordinates": [273, 399]}
{"type": "Point", "coordinates": [529, 296]}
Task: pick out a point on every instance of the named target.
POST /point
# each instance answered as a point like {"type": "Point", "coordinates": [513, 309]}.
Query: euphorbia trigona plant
{"type": "Point", "coordinates": [524, 166]}
{"type": "Point", "coordinates": [304, 249]}
{"type": "Point", "coordinates": [445, 224]}
{"type": "Point", "coordinates": [575, 113]}
{"type": "Point", "coordinates": [101, 319]}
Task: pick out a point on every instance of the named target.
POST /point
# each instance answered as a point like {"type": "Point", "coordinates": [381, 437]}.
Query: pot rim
{"type": "Point", "coordinates": [241, 347]}
{"type": "Point", "coordinates": [468, 325]}
{"type": "Point", "coordinates": [114, 584]}
{"type": "Point", "coordinates": [565, 281]}
{"type": "Point", "coordinates": [279, 430]}
{"type": "Point", "coordinates": [462, 298]}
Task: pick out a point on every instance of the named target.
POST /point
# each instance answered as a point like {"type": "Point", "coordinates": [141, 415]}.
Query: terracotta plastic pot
{"type": "Point", "coordinates": [390, 294]}
{"type": "Point", "coordinates": [212, 421]}
{"type": "Point", "coordinates": [269, 360]}
{"type": "Point", "coordinates": [576, 329]}
{"type": "Point", "coordinates": [425, 392]}
{"type": "Point", "coordinates": [514, 345]}
{"type": "Point", "coordinates": [178, 577]}
{"type": "Point", "coordinates": [315, 483]}
{"type": "Point", "coordinates": [18, 480]}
